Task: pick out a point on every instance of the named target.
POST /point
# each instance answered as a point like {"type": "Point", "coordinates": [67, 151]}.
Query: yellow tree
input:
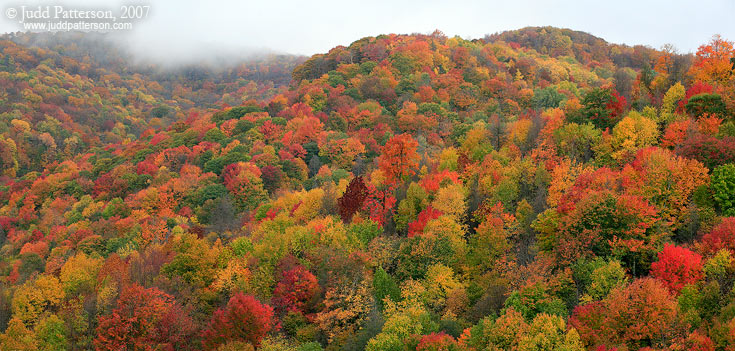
{"type": "Point", "coordinates": [450, 200]}
{"type": "Point", "coordinates": [549, 332]}
{"type": "Point", "coordinates": [34, 297]}
{"type": "Point", "coordinates": [17, 337]}
{"type": "Point", "coordinates": [440, 283]}
{"type": "Point", "coordinates": [669, 104]}
{"type": "Point", "coordinates": [79, 273]}
{"type": "Point", "coordinates": [631, 134]}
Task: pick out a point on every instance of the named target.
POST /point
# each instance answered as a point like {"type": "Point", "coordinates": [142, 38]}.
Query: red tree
{"type": "Point", "coordinates": [380, 201]}
{"type": "Point", "coordinates": [616, 105]}
{"type": "Point", "coordinates": [677, 267]}
{"type": "Point", "coordinates": [694, 342]}
{"type": "Point", "coordinates": [436, 342]}
{"type": "Point", "coordinates": [145, 319]}
{"type": "Point", "coordinates": [353, 199]}
{"type": "Point", "coordinates": [589, 320]}
{"type": "Point", "coordinates": [244, 318]}
{"type": "Point", "coordinates": [633, 315]}
{"type": "Point", "coordinates": [295, 290]}
{"type": "Point", "coordinates": [721, 237]}
{"type": "Point", "coordinates": [417, 227]}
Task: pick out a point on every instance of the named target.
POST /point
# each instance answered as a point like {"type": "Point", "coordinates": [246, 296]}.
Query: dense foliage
{"type": "Point", "coordinates": [539, 189]}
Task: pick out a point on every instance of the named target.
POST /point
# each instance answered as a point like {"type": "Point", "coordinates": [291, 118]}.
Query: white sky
{"type": "Point", "coordinates": [180, 28]}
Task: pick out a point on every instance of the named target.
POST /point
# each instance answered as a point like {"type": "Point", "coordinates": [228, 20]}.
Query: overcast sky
{"type": "Point", "coordinates": [180, 28]}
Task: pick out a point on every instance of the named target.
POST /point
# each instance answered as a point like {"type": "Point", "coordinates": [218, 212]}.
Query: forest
{"type": "Point", "coordinates": [535, 189]}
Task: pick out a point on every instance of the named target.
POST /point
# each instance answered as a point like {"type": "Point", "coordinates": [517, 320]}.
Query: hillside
{"type": "Point", "coordinates": [63, 94]}
{"type": "Point", "coordinates": [538, 189]}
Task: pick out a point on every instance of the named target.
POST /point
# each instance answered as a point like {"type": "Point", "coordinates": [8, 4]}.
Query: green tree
{"type": "Point", "coordinates": [604, 279]}
{"type": "Point", "coordinates": [385, 286]}
{"type": "Point", "coordinates": [701, 104]}
{"type": "Point", "coordinates": [723, 187]}
{"type": "Point", "coordinates": [51, 334]}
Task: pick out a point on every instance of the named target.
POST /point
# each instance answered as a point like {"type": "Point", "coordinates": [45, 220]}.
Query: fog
{"type": "Point", "coordinates": [185, 31]}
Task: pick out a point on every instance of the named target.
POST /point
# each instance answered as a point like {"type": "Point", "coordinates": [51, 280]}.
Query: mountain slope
{"type": "Point", "coordinates": [403, 192]}
{"type": "Point", "coordinates": [65, 93]}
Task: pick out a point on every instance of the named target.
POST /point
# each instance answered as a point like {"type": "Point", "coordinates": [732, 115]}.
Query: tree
{"type": "Point", "coordinates": [244, 182]}
{"type": "Point", "coordinates": [450, 201]}
{"type": "Point", "coordinates": [576, 141]}
{"type": "Point", "coordinates": [721, 237]}
{"type": "Point", "coordinates": [295, 291]}
{"type": "Point", "coordinates": [144, 319]}
{"type": "Point", "coordinates": [353, 199]}
{"type": "Point", "coordinates": [642, 311]}
{"type": "Point", "coordinates": [244, 318]}
{"type": "Point", "coordinates": [381, 200]}
{"type": "Point", "coordinates": [51, 334]}
{"type": "Point", "coordinates": [549, 332]}
{"type": "Point", "coordinates": [708, 149]}
{"type": "Point", "coordinates": [417, 227]}
{"type": "Point", "coordinates": [695, 341]}
{"type": "Point", "coordinates": [535, 299]}
{"type": "Point", "coordinates": [272, 177]}
{"type": "Point", "coordinates": [491, 245]}
{"type": "Point", "coordinates": [314, 165]}
{"type": "Point", "coordinates": [194, 263]}
{"type": "Point", "coordinates": [79, 273]}
{"type": "Point", "coordinates": [603, 280]}
{"type": "Point", "coordinates": [602, 107]}
{"type": "Point", "coordinates": [673, 97]}
{"type": "Point", "coordinates": [34, 297]}
{"type": "Point", "coordinates": [385, 286]}
{"type": "Point", "coordinates": [723, 187]}
{"type": "Point", "coordinates": [402, 322]}
{"type": "Point", "coordinates": [589, 320]}
{"type": "Point", "coordinates": [632, 133]}
{"type": "Point", "coordinates": [342, 152]}
{"type": "Point", "coordinates": [677, 267]}
{"type": "Point", "coordinates": [667, 181]}
{"type": "Point", "coordinates": [437, 342]}
{"type": "Point", "coordinates": [409, 208]}
{"type": "Point", "coordinates": [603, 224]}
{"type": "Point", "coordinates": [638, 315]}
{"type": "Point", "coordinates": [439, 284]}
{"type": "Point", "coordinates": [17, 337]}
{"type": "Point", "coordinates": [712, 63]}
{"type": "Point", "coordinates": [399, 159]}
{"type": "Point", "coordinates": [706, 104]}
{"type": "Point", "coordinates": [346, 309]}
{"type": "Point", "coordinates": [503, 333]}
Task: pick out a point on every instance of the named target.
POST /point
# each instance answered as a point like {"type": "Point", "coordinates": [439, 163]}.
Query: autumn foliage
{"type": "Point", "coordinates": [722, 236]}
{"type": "Point", "coordinates": [295, 291]}
{"type": "Point", "coordinates": [353, 199]}
{"type": "Point", "coordinates": [144, 319]}
{"type": "Point", "coordinates": [399, 158]}
{"type": "Point", "coordinates": [536, 189]}
{"type": "Point", "coordinates": [677, 267]}
{"type": "Point", "coordinates": [244, 318]}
